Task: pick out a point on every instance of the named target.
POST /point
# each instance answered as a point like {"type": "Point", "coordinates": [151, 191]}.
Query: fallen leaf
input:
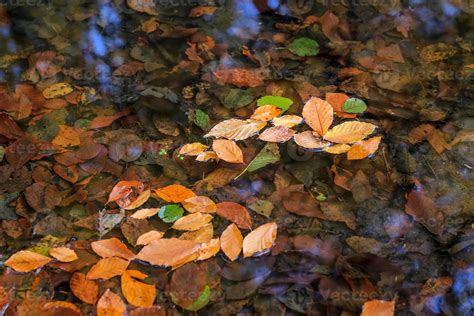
{"type": "Point", "coordinates": [107, 268]}
{"type": "Point", "coordinates": [424, 210]}
{"type": "Point", "coordinates": [236, 129]}
{"type": "Point", "coordinates": [145, 213]}
{"type": "Point", "coordinates": [150, 236]}
{"type": "Point", "coordinates": [110, 304]}
{"type": "Point", "coordinates": [364, 148]}
{"type": "Point", "coordinates": [235, 213]}
{"type": "Point", "coordinates": [192, 222]}
{"type": "Point", "coordinates": [174, 193]}
{"type": "Point", "coordinates": [240, 77]}
{"type": "Point", "coordinates": [228, 150]}
{"type": "Point", "coordinates": [337, 149]}
{"type": "Point", "coordinates": [136, 202]}
{"type": "Point", "coordinates": [260, 239]}
{"type": "Point", "coordinates": [206, 156]}
{"type": "Point", "coordinates": [84, 289]}
{"type": "Point", "coordinates": [26, 261]}
{"type": "Point", "coordinates": [201, 10]}
{"type": "Point", "coordinates": [269, 154]}
{"type": "Point", "coordinates": [277, 134]}
{"type": "Point", "coordinates": [287, 120]}
{"type": "Point", "coordinates": [137, 293]}
{"type": "Point", "coordinates": [308, 140]}
{"type": "Point", "coordinates": [318, 114]}
{"type": "Point", "coordinates": [209, 249]}
{"type": "Point", "coordinates": [266, 113]}
{"type": "Point", "coordinates": [378, 308]}
{"type": "Point", "coordinates": [67, 136]}
{"type": "Point", "coordinates": [231, 242]}
{"type": "Point", "coordinates": [202, 235]}
{"type": "Point", "coordinates": [349, 132]}
{"type": "Point", "coordinates": [57, 90]}
{"type": "Point", "coordinates": [201, 204]}
{"type": "Point", "coordinates": [336, 100]}
{"type": "Point", "coordinates": [104, 121]}
{"type": "Point", "coordinates": [63, 254]}
{"type": "Point", "coordinates": [122, 189]}
{"type": "Point", "coordinates": [62, 308]}
{"type": "Point", "coordinates": [112, 247]}
{"type": "Point", "coordinates": [303, 204]}
{"type": "Point", "coordinates": [193, 149]}
{"type": "Point", "coordinates": [170, 213]}
{"type": "Point", "coordinates": [169, 252]}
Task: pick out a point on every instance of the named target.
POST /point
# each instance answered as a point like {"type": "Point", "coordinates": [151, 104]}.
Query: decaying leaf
{"type": "Point", "coordinates": [228, 150]}
{"type": "Point", "coordinates": [277, 134]}
{"type": "Point", "coordinates": [231, 242]}
{"type": "Point", "coordinates": [57, 90]}
{"type": "Point", "coordinates": [318, 114]}
{"type": "Point", "coordinates": [266, 113]}
{"type": "Point", "coordinates": [308, 140]}
{"type": "Point", "coordinates": [260, 239]}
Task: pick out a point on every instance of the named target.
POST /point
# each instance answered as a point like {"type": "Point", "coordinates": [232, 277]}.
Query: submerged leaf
{"type": "Point", "coordinates": [268, 155]}
{"type": "Point", "coordinates": [304, 46]}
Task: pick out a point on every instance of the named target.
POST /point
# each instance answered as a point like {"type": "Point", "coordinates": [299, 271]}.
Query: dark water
{"type": "Point", "coordinates": [396, 226]}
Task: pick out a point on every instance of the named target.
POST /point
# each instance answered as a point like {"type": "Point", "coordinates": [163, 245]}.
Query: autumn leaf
{"type": "Point", "coordinates": [303, 204]}
{"type": "Point", "coordinates": [169, 252]}
{"type": "Point", "coordinates": [378, 308]}
{"type": "Point", "coordinates": [122, 189]}
{"type": "Point", "coordinates": [318, 114]}
{"type": "Point", "coordinates": [209, 249]}
{"type": "Point", "coordinates": [277, 134]}
{"type": "Point", "coordinates": [260, 239]}
{"type": "Point", "coordinates": [104, 121]}
{"type": "Point", "coordinates": [137, 293]}
{"type": "Point", "coordinates": [287, 120]}
{"type": "Point", "coordinates": [84, 289]}
{"type": "Point", "coordinates": [308, 140]}
{"type": "Point", "coordinates": [150, 236]}
{"type": "Point", "coordinates": [266, 113]}
{"type": "Point", "coordinates": [349, 132]}
{"type": "Point", "coordinates": [201, 10]}
{"type": "Point", "coordinates": [110, 304]}
{"type": "Point", "coordinates": [63, 254]}
{"type": "Point", "coordinates": [107, 268]}
{"type": "Point", "coordinates": [26, 261]}
{"type": "Point", "coordinates": [206, 156]}
{"type": "Point", "coordinates": [112, 247]}
{"type": "Point", "coordinates": [240, 77]}
{"type": "Point", "coordinates": [57, 90]}
{"type": "Point", "coordinates": [192, 222]}
{"type": "Point", "coordinates": [201, 204]}
{"type": "Point", "coordinates": [231, 242]}
{"type": "Point", "coordinates": [364, 148]}
{"type": "Point", "coordinates": [62, 308]}
{"type": "Point", "coordinates": [235, 213]}
{"type": "Point", "coordinates": [424, 210]}
{"type": "Point", "coordinates": [202, 235]}
{"type": "Point", "coordinates": [174, 193]}
{"type": "Point", "coordinates": [136, 202]}
{"type": "Point", "coordinates": [236, 129]}
{"type": "Point", "coordinates": [337, 149]}
{"type": "Point", "coordinates": [193, 149]}
{"type": "Point", "coordinates": [67, 136]}
{"type": "Point", "coordinates": [228, 150]}
{"type": "Point", "coordinates": [145, 213]}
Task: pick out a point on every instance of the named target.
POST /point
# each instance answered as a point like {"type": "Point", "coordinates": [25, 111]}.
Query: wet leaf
{"type": "Point", "coordinates": [209, 249]}
{"type": "Point", "coordinates": [63, 254]}
{"type": "Point", "coordinates": [60, 307]}
{"type": "Point", "coordinates": [379, 308]}
{"type": "Point", "coordinates": [354, 105]}
{"type": "Point", "coordinates": [137, 293]}
{"type": "Point", "coordinates": [107, 268]}
{"type": "Point", "coordinates": [308, 140]}
{"type": "Point", "coordinates": [148, 237]}
{"type": "Point", "coordinates": [110, 304]}
{"type": "Point", "coordinates": [287, 120]}
{"type": "Point", "coordinates": [236, 129]}
{"type": "Point", "coordinates": [277, 134]}
{"type": "Point", "coordinates": [303, 204]}
{"type": "Point", "coordinates": [174, 193]}
{"type": "Point", "coordinates": [231, 242]}
{"type": "Point", "coordinates": [265, 113]}
{"type": "Point", "coordinates": [122, 189]}
{"type": "Point", "coordinates": [318, 114]}
{"type": "Point", "coordinates": [240, 77]}
{"type": "Point", "coordinates": [67, 136]}
{"type": "Point", "coordinates": [57, 90]}
{"type": "Point", "coordinates": [235, 213]}
{"type": "Point", "coordinates": [304, 46]}
{"type": "Point", "coordinates": [201, 204]}
{"type": "Point", "coordinates": [237, 98]}
{"type": "Point", "coordinates": [112, 247]}
{"type": "Point", "coordinates": [193, 149]}
{"type": "Point", "coordinates": [260, 239]}
{"type": "Point", "coordinates": [228, 150]}
{"type": "Point", "coordinates": [268, 155]}
{"type": "Point", "coordinates": [26, 261]}
{"type": "Point", "coordinates": [280, 102]}
{"type": "Point", "coordinates": [145, 213]}
{"type": "Point", "coordinates": [192, 222]}
{"type": "Point", "coordinates": [201, 119]}
{"type": "Point", "coordinates": [42, 197]}
{"type": "Point", "coordinates": [169, 252]}
{"type": "Point", "coordinates": [349, 132]}
{"type": "Point", "coordinates": [337, 149]}
{"type": "Point", "coordinates": [424, 210]}
{"type": "Point", "coordinates": [202, 235]}
{"type": "Point", "coordinates": [364, 148]}
{"type": "Point", "coordinates": [84, 289]}
{"type": "Point", "coordinates": [170, 213]}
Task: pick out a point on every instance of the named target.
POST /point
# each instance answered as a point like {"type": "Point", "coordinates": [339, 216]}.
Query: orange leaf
{"type": "Point", "coordinates": [26, 261]}
{"type": "Point", "coordinates": [240, 77]}
{"type": "Point", "coordinates": [110, 304]}
{"type": "Point", "coordinates": [337, 149]}
{"type": "Point", "coordinates": [107, 268]}
{"type": "Point", "coordinates": [206, 156]}
{"type": "Point", "coordinates": [349, 132]}
{"type": "Point", "coordinates": [265, 113]}
{"type": "Point", "coordinates": [62, 308]}
{"type": "Point", "coordinates": [228, 150]}
{"type": "Point", "coordinates": [471, 66]}
{"type": "Point", "coordinates": [202, 235]}
{"type": "Point", "coordinates": [63, 254]}
{"type": "Point", "coordinates": [236, 213]}
{"type": "Point", "coordinates": [68, 173]}
{"type": "Point", "coordinates": [122, 189]}
{"type": "Point", "coordinates": [259, 239]}
{"type": "Point", "coordinates": [145, 213]}
{"type": "Point", "coordinates": [192, 149]}
{"type": "Point", "coordinates": [104, 121]}
{"type": "Point", "coordinates": [336, 100]}
{"type": "Point", "coordinates": [231, 242]}
{"type": "Point", "coordinates": [85, 290]}
{"type": "Point", "coordinates": [139, 201]}
{"type": "Point", "coordinates": [192, 222]}
{"type": "Point", "coordinates": [169, 252]}
{"type": "Point", "coordinates": [209, 249]}
{"type": "Point", "coordinates": [67, 136]}
{"type": "Point", "coordinates": [309, 141]}
{"type": "Point", "coordinates": [201, 204]}
{"type": "Point", "coordinates": [364, 148]}
{"type": "Point", "coordinates": [137, 293]}
{"type": "Point", "coordinates": [112, 248]}
{"type": "Point", "coordinates": [277, 134]}
{"type": "Point", "coordinates": [378, 308]}
{"type": "Point", "coordinates": [200, 11]}
{"type": "Point", "coordinates": [174, 193]}
{"type": "Point", "coordinates": [318, 114]}
{"type": "Point", "coordinates": [150, 236]}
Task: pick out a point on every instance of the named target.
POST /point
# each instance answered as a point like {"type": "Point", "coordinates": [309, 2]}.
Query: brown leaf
{"type": "Point", "coordinates": [26, 261]}
{"type": "Point", "coordinates": [303, 204]}
{"type": "Point", "coordinates": [112, 248]}
{"type": "Point", "coordinates": [309, 141]}
{"type": "Point", "coordinates": [201, 204]}
{"type": "Point", "coordinates": [349, 132]}
{"type": "Point", "coordinates": [110, 304]}
{"type": "Point", "coordinates": [192, 222]}
{"type": "Point", "coordinates": [231, 242]}
{"type": "Point", "coordinates": [318, 114]}
{"type": "Point", "coordinates": [424, 210]}
{"type": "Point", "coordinates": [104, 121]}
{"type": "Point", "coordinates": [169, 252]}
{"type": "Point", "coordinates": [137, 293]}
{"type": "Point", "coordinates": [260, 239]}
{"type": "Point", "coordinates": [62, 308]}
{"type": "Point", "coordinates": [277, 134]}
{"type": "Point", "coordinates": [85, 290]}
{"type": "Point", "coordinates": [122, 190]}
{"type": "Point", "coordinates": [67, 136]}
{"type": "Point", "coordinates": [63, 254]}
{"type": "Point", "coordinates": [107, 268]}
{"type": "Point", "coordinates": [174, 193]}
{"type": "Point", "coordinates": [201, 10]}
{"type": "Point", "coordinates": [240, 77]}
{"type": "Point", "coordinates": [43, 197]}
{"type": "Point", "coordinates": [235, 213]}
{"type": "Point", "coordinates": [236, 129]}
{"type": "Point", "coordinates": [131, 68]}
{"type": "Point", "coordinates": [228, 150]}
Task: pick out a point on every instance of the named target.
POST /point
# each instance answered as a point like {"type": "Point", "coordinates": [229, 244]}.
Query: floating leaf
{"type": "Point", "coordinates": [337, 149]}
{"type": "Point", "coordinates": [84, 289]}
{"type": "Point", "coordinates": [287, 120]}
{"type": "Point", "coordinates": [148, 237]}
{"type": "Point", "coordinates": [309, 141]}
{"type": "Point", "coordinates": [318, 114]}
{"type": "Point", "coordinates": [349, 132]}
{"type": "Point", "coordinates": [137, 293]}
{"type": "Point", "coordinates": [228, 150]}
{"type": "Point", "coordinates": [112, 247]}
{"type": "Point", "coordinates": [236, 129]}
{"type": "Point", "coordinates": [174, 193]}
{"type": "Point", "coordinates": [260, 239]}
{"type": "Point", "coordinates": [201, 204]}
{"type": "Point", "coordinates": [235, 213]}
{"type": "Point", "coordinates": [169, 252]}
{"type": "Point", "coordinates": [206, 156]}
{"type": "Point", "coordinates": [57, 90]}
{"type": "Point", "coordinates": [193, 149]}
{"type": "Point", "coordinates": [63, 254]}
{"type": "Point", "coordinates": [265, 113]}
{"type": "Point", "coordinates": [202, 235]}
{"type": "Point", "coordinates": [192, 222]}
{"type": "Point", "coordinates": [110, 304]}
{"type": "Point", "coordinates": [268, 155]}
{"type": "Point", "coordinates": [277, 134]}
{"type": "Point", "coordinates": [62, 308]}
{"type": "Point", "coordinates": [26, 261]}
{"type": "Point", "coordinates": [170, 213]}
{"type": "Point", "coordinates": [201, 301]}
{"type": "Point", "coordinates": [209, 249]}
{"type": "Point", "coordinates": [107, 268]}
{"type": "Point", "coordinates": [231, 242]}
{"type": "Point", "coordinates": [304, 46]}
{"type": "Point", "coordinates": [379, 308]}
{"type": "Point", "coordinates": [364, 148]}
{"type": "Point", "coordinates": [279, 102]}
{"type": "Point", "coordinates": [145, 213]}
{"type": "Point", "coordinates": [354, 105]}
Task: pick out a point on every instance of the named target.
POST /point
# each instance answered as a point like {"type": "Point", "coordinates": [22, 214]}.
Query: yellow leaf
{"type": "Point", "coordinates": [201, 204]}
{"type": "Point", "coordinates": [260, 239]}
{"type": "Point", "coordinates": [112, 248]}
{"type": "Point", "coordinates": [57, 90]}
{"type": "Point", "coordinates": [337, 149]}
{"type": "Point", "coordinates": [209, 249]}
{"type": "Point", "coordinates": [145, 213]}
{"type": "Point", "coordinates": [265, 113]}
{"type": "Point", "coordinates": [107, 268]}
{"type": "Point", "coordinates": [26, 261]}
{"type": "Point", "coordinates": [193, 149]}
{"type": "Point", "coordinates": [63, 254]}
{"type": "Point", "coordinates": [137, 293]}
{"type": "Point", "coordinates": [202, 235]}
{"type": "Point", "coordinates": [318, 114]}
{"type": "Point", "coordinates": [169, 252]}
{"type": "Point", "coordinates": [236, 129]}
{"type": "Point", "coordinates": [150, 236]}
{"type": "Point", "coordinates": [287, 120]}
{"type": "Point", "coordinates": [67, 136]}
{"type": "Point", "coordinates": [309, 141]}
{"type": "Point", "coordinates": [364, 148]}
{"type": "Point", "coordinates": [174, 193]}
{"type": "Point", "coordinates": [110, 304]}
{"type": "Point", "coordinates": [228, 150]}
{"type": "Point", "coordinates": [349, 132]}
{"type": "Point", "coordinates": [206, 156]}
{"type": "Point", "coordinates": [192, 222]}
{"type": "Point", "coordinates": [231, 242]}
{"type": "Point", "coordinates": [85, 290]}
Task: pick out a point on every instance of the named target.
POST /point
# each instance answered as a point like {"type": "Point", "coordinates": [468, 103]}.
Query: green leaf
{"type": "Point", "coordinates": [171, 213]}
{"type": "Point", "coordinates": [268, 155]}
{"type": "Point", "coordinates": [201, 119]}
{"type": "Point", "coordinates": [45, 244]}
{"type": "Point", "coordinates": [238, 98]}
{"type": "Point", "coordinates": [279, 102]}
{"type": "Point", "coordinates": [304, 46]}
{"type": "Point", "coordinates": [201, 301]}
{"type": "Point", "coordinates": [354, 105]}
